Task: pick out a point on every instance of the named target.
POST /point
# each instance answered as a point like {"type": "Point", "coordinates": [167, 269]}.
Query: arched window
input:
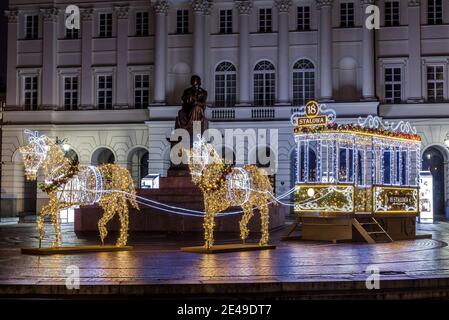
{"type": "Point", "coordinates": [225, 85]}
{"type": "Point", "coordinates": [303, 82]}
{"type": "Point", "coordinates": [264, 84]}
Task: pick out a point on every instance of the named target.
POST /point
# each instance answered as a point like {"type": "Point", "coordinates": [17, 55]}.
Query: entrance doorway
{"type": "Point", "coordinates": [433, 161]}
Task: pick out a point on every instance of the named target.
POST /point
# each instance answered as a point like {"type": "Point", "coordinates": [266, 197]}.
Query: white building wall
{"type": "Point", "coordinates": [124, 55]}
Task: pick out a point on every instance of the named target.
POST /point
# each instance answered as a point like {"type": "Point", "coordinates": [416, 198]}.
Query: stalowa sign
{"type": "Point", "coordinates": [313, 115]}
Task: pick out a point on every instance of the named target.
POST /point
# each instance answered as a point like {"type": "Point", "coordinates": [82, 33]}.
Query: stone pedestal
{"type": "Point", "coordinates": [177, 192]}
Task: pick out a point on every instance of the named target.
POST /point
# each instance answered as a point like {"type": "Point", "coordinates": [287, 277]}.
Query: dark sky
{"type": "Point", "coordinates": [3, 40]}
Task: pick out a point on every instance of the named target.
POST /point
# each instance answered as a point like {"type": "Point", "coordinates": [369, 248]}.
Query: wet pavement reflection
{"type": "Point", "coordinates": [156, 259]}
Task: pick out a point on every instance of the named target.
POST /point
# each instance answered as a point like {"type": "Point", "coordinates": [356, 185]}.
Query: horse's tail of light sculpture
{"type": "Point", "coordinates": [132, 197]}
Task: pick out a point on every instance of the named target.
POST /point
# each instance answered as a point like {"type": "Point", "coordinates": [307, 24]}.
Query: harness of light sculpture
{"type": "Point", "coordinates": [69, 184]}
{"type": "Point", "coordinates": [224, 186]}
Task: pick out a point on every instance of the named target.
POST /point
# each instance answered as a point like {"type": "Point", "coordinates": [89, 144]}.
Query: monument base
{"type": "Point", "coordinates": [176, 192]}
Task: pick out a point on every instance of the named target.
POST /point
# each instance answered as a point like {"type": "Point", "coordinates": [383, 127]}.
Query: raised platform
{"type": "Point", "coordinates": [222, 248]}
{"type": "Point", "coordinates": [340, 227]}
{"type": "Point", "coordinates": [74, 250]}
{"type": "Point", "coordinates": [178, 192]}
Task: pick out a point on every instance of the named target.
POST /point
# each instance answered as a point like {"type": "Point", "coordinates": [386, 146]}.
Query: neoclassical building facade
{"type": "Point", "coordinates": [111, 89]}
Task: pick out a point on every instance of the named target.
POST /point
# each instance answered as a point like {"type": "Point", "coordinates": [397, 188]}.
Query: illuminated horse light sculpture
{"type": "Point", "coordinates": [69, 184]}
{"type": "Point", "coordinates": [224, 186]}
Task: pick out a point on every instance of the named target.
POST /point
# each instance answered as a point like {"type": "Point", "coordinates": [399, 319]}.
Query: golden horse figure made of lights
{"type": "Point", "coordinates": [224, 186]}
{"type": "Point", "coordinates": [69, 184]}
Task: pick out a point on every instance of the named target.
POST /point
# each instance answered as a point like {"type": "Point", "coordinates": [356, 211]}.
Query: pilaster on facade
{"type": "Point", "coordinates": [49, 59]}
{"type": "Point", "coordinates": [86, 14]}
{"type": "Point", "coordinates": [283, 52]}
{"type": "Point", "coordinates": [12, 16]}
{"type": "Point", "coordinates": [414, 3]}
{"type": "Point", "coordinates": [160, 46]}
{"type": "Point", "coordinates": [87, 99]}
{"type": "Point", "coordinates": [11, 76]}
{"type": "Point", "coordinates": [244, 6]}
{"type": "Point", "coordinates": [161, 7]}
{"type": "Point", "coordinates": [283, 5]}
{"type": "Point", "coordinates": [324, 3]}
{"type": "Point", "coordinates": [325, 45]}
{"type": "Point", "coordinates": [199, 8]}
{"type": "Point", "coordinates": [49, 14]}
{"type": "Point", "coordinates": [122, 12]}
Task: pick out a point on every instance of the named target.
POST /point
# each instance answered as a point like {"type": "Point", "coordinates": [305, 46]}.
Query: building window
{"type": "Point", "coordinates": [303, 19]}
{"type": "Point", "coordinates": [104, 92]}
{"type": "Point", "coordinates": [30, 92]}
{"type": "Point", "coordinates": [225, 85]}
{"type": "Point", "coordinates": [435, 83]}
{"type": "Point", "coordinates": [31, 27]}
{"type": "Point", "coordinates": [182, 21]}
{"type": "Point", "coordinates": [303, 82]}
{"type": "Point", "coordinates": [391, 13]}
{"type": "Point", "coordinates": [434, 12]}
{"type": "Point", "coordinates": [142, 24]}
{"type": "Point", "coordinates": [141, 91]}
{"type": "Point", "coordinates": [264, 84]}
{"type": "Point", "coordinates": [72, 33]}
{"type": "Point", "coordinates": [393, 85]}
{"type": "Point", "coordinates": [105, 25]}
{"type": "Point", "coordinates": [226, 21]}
{"type": "Point", "coordinates": [347, 15]}
{"type": "Point", "coordinates": [265, 20]}
{"type": "Point", "coordinates": [70, 93]}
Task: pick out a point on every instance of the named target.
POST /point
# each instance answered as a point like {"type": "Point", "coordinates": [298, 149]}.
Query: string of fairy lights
{"type": "Point", "coordinates": [191, 212]}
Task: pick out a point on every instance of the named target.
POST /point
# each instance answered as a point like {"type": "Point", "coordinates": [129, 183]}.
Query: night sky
{"type": "Point", "coordinates": [3, 41]}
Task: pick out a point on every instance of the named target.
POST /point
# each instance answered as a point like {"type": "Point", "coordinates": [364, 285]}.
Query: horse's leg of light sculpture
{"type": "Point", "coordinates": [264, 221]}
{"type": "Point", "coordinates": [209, 223]}
{"type": "Point", "coordinates": [40, 221]}
{"type": "Point", "coordinates": [247, 214]}
{"type": "Point", "coordinates": [124, 221]}
{"type": "Point", "coordinates": [108, 213]}
{"type": "Point", "coordinates": [55, 221]}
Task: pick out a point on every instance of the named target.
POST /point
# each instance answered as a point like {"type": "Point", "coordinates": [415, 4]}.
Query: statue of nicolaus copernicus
{"type": "Point", "coordinates": [193, 105]}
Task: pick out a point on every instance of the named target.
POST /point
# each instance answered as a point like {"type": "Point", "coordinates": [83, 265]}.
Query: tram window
{"type": "Point", "coordinates": [404, 168]}
{"type": "Point", "coordinates": [386, 167]}
{"type": "Point", "coordinates": [302, 164]}
{"type": "Point", "coordinates": [342, 170]}
{"type": "Point", "coordinates": [360, 168]}
{"type": "Point", "coordinates": [312, 166]}
{"type": "Point", "coordinates": [351, 165]}
{"type": "Point", "coordinates": [397, 168]}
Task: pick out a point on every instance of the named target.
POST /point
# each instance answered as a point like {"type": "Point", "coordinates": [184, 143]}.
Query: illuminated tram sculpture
{"type": "Point", "coordinates": [349, 172]}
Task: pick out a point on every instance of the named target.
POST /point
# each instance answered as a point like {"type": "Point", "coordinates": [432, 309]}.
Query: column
{"type": "Point", "coordinates": [325, 7]}
{"type": "Point", "coordinates": [49, 32]}
{"type": "Point", "coordinates": [11, 76]}
{"type": "Point", "coordinates": [368, 87]}
{"type": "Point", "coordinates": [244, 8]}
{"type": "Point", "coordinates": [122, 57]}
{"type": "Point", "coordinates": [87, 85]}
{"type": "Point", "coordinates": [160, 49]}
{"type": "Point", "coordinates": [414, 46]}
{"type": "Point", "coordinates": [198, 7]}
{"type": "Point", "coordinates": [283, 54]}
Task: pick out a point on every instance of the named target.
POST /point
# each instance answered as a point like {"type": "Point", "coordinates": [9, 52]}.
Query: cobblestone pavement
{"type": "Point", "coordinates": [156, 259]}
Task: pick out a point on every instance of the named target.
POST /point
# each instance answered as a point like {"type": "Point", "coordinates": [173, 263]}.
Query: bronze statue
{"type": "Point", "coordinates": [193, 105]}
